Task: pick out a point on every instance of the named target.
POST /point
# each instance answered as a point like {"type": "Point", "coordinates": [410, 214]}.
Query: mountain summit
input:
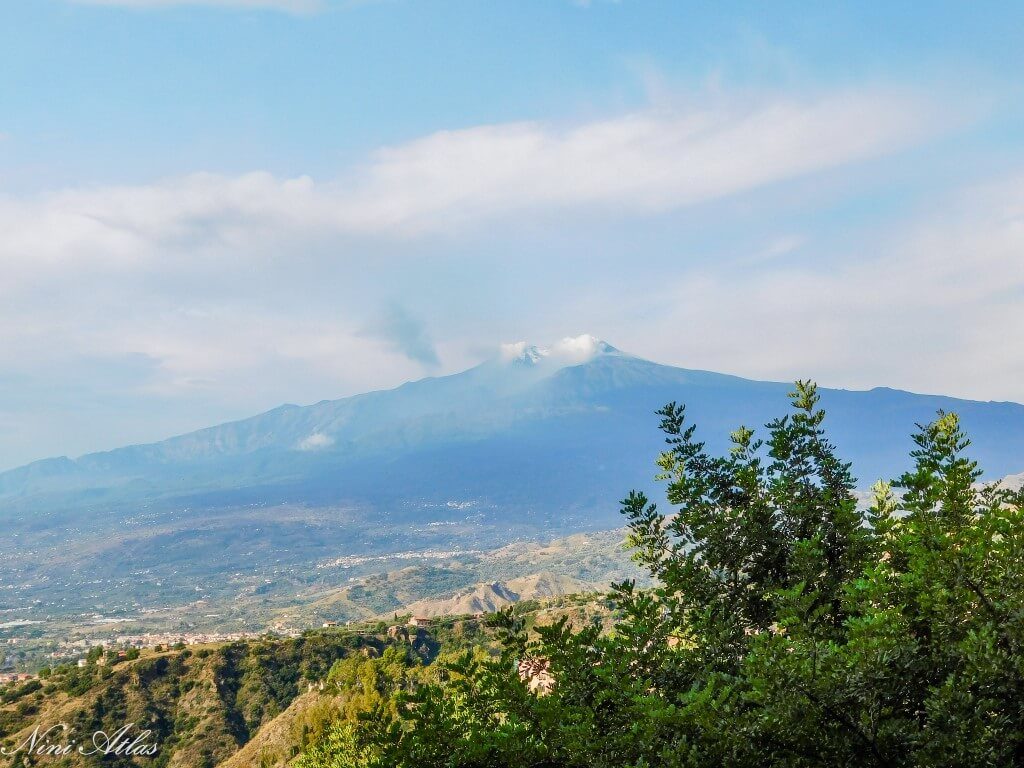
{"type": "Point", "coordinates": [572, 350]}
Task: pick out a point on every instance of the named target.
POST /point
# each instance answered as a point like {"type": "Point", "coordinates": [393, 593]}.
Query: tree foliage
{"type": "Point", "coordinates": [790, 625]}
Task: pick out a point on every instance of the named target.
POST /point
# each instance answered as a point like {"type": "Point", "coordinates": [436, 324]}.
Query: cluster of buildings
{"type": "Point", "coordinates": [75, 650]}
{"type": "Point", "coordinates": [150, 639]}
{"type": "Point", "coordinates": [351, 561]}
{"type": "Point", "coordinates": [14, 677]}
{"type": "Point", "coordinates": [69, 650]}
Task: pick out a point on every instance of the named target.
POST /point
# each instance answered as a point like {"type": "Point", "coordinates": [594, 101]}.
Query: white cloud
{"type": "Point", "coordinates": [778, 247]}
{"type": "Point", "coordinates": [290, 6]}
{"type": "Point", "coordinates": [630, 165]}
{"type": "Point", "coordinates": [640, 163]}
{"type": "Point", "coordinates": [316, 442]}
{"type": "Point", "coordinates": [570, 350]}
{"type": "Point", "coordinates": [643, 162]}
{"type": "Point", "coordinates": [936, 308]}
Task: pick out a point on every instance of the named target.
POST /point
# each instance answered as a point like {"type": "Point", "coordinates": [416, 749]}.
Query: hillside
{"type": "Point", "coordinates": [272, 745]}
{"type": "Point", "coordinates": [250, 703]}
{"type": "Point", "coordinates": [490, 597]}
{"type": "Point", "coordinates": [1014, 481]}
{"type": "Point", "coordinates": [201, 704]}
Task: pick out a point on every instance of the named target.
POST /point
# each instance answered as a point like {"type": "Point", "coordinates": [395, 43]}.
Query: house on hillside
{"type": "Point", "coordinates": [419, 622]}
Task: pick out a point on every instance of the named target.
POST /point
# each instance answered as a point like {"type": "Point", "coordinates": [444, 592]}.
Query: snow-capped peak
{"type": "Point", "coordinates": [521, 352]}
{"type": "Point", "coordinates": [572, 350]}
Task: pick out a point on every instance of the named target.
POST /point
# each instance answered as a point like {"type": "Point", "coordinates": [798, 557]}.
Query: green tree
{"type": "Point", "coordinates": [788, 626]}
{"type": "Point", "coordinates": [929, 670]}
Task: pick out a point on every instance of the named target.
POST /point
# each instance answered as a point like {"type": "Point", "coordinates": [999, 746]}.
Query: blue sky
{"type": "Point", "coordinates": [210, 208]}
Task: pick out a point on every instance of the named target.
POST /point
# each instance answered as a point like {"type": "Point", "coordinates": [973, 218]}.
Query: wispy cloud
{"type": "Point", "coordinates": [642, 162]}
{"type": "Point", "coordinates": [288, 6]}
{"type": "Point", "coordinates": [635, 164]}
{"type": "Point", "coordinates": [935, 309]}
{"type": "Point", "coordinates": [317, 441]}
{"type": "Point", "coordinates": [777, 248]}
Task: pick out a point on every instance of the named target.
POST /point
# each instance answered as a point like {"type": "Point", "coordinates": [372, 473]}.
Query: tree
{"type": "Point", "coordinates": [788, 626]}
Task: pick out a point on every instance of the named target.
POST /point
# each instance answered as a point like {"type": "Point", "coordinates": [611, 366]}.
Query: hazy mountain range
{"type": "Point", "coordinates": [571, 427]}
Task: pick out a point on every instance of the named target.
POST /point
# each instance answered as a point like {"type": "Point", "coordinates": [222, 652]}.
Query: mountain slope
{"type": "Point", "coordinates": [532, 429]}
{"type": "Point", "coordinates": [490, 597]}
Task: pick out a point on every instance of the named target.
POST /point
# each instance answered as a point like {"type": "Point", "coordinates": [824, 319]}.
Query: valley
{"type": "Point", "coordinates": [292, 595]}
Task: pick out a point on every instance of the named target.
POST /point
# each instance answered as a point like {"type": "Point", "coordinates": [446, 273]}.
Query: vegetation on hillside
{"type": "Point", "coordinates": [201, 704]}
{"type": "Point", "coordinates": [788, 626]}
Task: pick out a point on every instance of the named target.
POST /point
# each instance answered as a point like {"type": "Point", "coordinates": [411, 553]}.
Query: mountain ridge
{"type": "Point", "coordinates": [577, 383]}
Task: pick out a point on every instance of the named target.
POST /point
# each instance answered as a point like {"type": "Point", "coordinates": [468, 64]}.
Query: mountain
{"type": "Point", "coordinates": [1014, 482]}
{"type": "Point", "coordinates": [571, 427]}
{"type": "Point", "coordinates": [490, 597]}
{"type": "Point", "coordinates": [224, 526]}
